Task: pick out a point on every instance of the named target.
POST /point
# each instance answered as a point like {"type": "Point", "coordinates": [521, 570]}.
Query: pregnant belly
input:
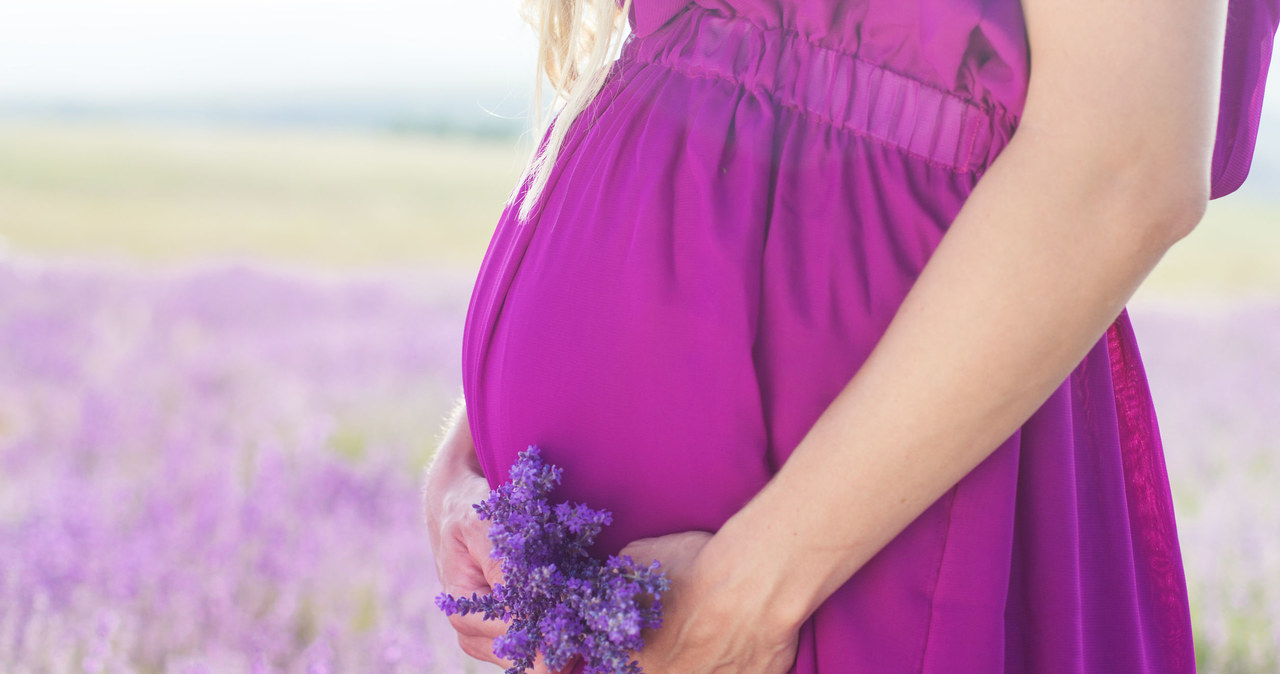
{"type": "Point", "coordinates": [632, 371]}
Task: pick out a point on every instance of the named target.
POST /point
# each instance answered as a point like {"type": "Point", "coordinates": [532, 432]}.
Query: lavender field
{"type": "Point", "coordinates": [215, 468]}
{"type": "Point", "coordinates": [218, 470]}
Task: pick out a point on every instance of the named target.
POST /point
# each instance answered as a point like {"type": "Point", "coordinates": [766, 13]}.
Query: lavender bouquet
{"type": "Point", "coordinates": [560, 600]}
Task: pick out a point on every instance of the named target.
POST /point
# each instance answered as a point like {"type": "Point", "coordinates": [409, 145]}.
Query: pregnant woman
{"type": "Point", "coordinates": [824, 299]}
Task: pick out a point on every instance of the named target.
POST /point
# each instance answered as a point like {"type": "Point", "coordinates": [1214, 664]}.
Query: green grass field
{"type": "Point", "coordinates": [350, 199]}
{"type": "Point", "coordinates": [166, 194]}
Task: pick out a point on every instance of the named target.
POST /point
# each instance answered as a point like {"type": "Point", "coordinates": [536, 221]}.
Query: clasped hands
{"type": "Point", "coordinates": [710, 623]}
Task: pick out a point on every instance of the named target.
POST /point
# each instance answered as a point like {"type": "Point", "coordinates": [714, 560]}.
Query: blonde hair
{"type": "Point", "coordinates": [577, 39]}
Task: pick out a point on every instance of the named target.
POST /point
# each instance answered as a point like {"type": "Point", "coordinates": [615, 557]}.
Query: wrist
{"type": "Point", "coordinates": [455, 463]}
{"type": "Point", "coordinates": [741, 566]}
{"type": "Point", "coordinates": [456, 452]}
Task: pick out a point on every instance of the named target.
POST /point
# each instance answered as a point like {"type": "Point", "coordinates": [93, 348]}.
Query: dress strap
{"type": "Point", "coordinates": [1251, 31]}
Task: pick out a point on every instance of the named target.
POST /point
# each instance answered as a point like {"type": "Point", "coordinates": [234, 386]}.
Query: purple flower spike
{"type": "Point", "coordinates": [560, 601]}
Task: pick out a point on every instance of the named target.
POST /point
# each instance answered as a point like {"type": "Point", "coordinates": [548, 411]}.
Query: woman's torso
{"type": "Point", "coordinates": [726, 233]}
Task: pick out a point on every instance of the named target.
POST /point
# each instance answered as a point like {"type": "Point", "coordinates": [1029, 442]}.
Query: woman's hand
{"type": "Point", "coordinates": [459, 538]}
{"type": "Point", "coordinates": [708, 623]}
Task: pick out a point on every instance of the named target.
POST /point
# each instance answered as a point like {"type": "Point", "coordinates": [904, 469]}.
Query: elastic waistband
{"type": "Point", "coordinates": [835, 86]}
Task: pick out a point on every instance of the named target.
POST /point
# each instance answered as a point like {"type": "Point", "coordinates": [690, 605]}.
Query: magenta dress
{"type": "Point", "coordinates": [726, 234]}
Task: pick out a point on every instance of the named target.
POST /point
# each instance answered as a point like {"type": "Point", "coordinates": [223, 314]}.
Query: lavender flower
{"type": "Point", "coordinates": [560, 600]}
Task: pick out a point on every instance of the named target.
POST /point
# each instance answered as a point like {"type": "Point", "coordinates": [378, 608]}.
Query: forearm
{"type": "Point", "coordinates": [1033, 269]}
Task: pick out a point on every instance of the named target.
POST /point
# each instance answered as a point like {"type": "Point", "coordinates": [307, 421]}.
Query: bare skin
{"type": "Point", "coordinates": [1109, 168]}
{"type": "Point", "coordinates": [459, 539]}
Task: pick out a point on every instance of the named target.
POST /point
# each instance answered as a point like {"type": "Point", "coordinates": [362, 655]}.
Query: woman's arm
{"type": "Point", "coordinates": [1109, 167]}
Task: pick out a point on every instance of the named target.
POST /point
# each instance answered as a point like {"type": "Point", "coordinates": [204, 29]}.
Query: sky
{"type": "Point", "coordinates": [105, 49]}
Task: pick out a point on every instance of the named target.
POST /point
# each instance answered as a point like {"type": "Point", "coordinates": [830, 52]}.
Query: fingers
{"type": "Point", "coordinates": [476, 635]}
{"type": "Point", "coordinates": [462, 555]}
{"type": "Point", "coordinates": [640, 551]}
{"type": "Point", "coordinates": [679, 548]}
{"type": "Point", "coordinates": [475, 535]}
{"type": "Point", "coordinates": [474, 625]}
{"type": "Point", "coordinates": [481, 649]}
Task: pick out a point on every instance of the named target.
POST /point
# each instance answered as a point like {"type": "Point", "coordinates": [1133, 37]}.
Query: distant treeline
{"type": "Point", "coordinates": [478, 113]}
{"type": "Point", "coordinates": [483, 114]}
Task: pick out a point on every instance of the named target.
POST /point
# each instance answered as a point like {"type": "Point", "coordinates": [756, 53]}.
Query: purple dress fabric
{"type": "Point", "coordinates": [725, 235]}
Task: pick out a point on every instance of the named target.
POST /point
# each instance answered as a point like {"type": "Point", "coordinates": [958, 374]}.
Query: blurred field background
{"type": "Point", "coordinates": [236, 246]}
